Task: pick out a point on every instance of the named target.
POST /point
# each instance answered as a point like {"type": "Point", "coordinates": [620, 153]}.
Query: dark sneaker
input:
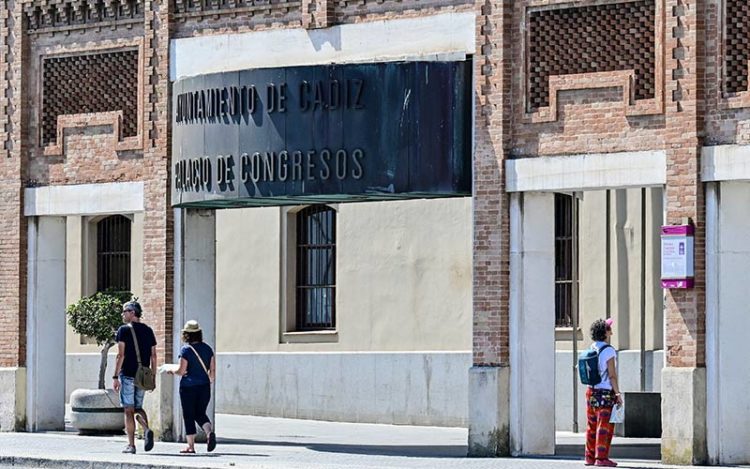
{"type": "Point", "coordinates": [211, 442]}
{"type": "Point", "coordinates": [129, 450]}
{"type": "Point", "coordinates": [148, 437]}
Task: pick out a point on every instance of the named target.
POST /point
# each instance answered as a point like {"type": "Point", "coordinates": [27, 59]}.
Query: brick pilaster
{"type": "Point", "coordinates": [12, 223]}
{"type": "Point", "coordinates": [491, 248]}
{"type": "Point", "coordinates": [684, 377]}
{"type": "Point", "coordinates": [158, 233]}
{"type": "Point", "coordinates": [685, 309]}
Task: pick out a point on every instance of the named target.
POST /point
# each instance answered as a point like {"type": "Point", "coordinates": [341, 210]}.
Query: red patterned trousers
{"type": "Point", "coordinates": [599, 431]}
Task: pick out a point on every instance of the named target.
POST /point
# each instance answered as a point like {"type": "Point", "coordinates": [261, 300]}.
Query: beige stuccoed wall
{"type": "Point", "coordinates": [625, 267]}
{"type": "Point", "coordinates": [403, 278]}
{"type": "Point", "coordinates": [247, 278]}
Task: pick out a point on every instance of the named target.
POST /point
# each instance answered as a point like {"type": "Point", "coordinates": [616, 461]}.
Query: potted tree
{"type": "Point", "coordinates": [97, 316]}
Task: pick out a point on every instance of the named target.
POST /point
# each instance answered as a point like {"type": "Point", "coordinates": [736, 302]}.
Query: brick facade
{"type": "Point", "coordinates": [83, 124]}
{"type": "Point", "coordinates": [674, 80]}
{"type": "Point", "coordinates": [592, 114]}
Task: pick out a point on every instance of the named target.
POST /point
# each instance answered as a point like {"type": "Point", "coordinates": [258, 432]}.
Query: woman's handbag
{"type": "Point", "coordinates": [144, 376]}
{"type": "Point", "coordinates": [618, 414]}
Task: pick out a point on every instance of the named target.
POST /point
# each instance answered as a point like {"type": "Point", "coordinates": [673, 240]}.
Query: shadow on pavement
{"type": "Point", "coordinates": [651, 452]}
{"type": "Point", "coordinates": [215, 454]}
{"type": "Point", "coordinates": [620, 465]}
{"type": "Point", "coordinates": [457, 451]}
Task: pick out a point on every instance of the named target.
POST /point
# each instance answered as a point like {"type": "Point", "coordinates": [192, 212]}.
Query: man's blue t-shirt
{"type": "Point", "coordinates": [146, 340]}
{"type": "Point", "coordinates": [196, 375]}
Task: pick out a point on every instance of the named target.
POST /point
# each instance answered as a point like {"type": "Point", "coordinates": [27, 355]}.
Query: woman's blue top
{"type": "Point", "coordinates": [195, 375]}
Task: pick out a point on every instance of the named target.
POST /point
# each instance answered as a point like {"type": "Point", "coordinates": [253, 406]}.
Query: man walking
{"type": "Point", "coordinates": [126, 366]}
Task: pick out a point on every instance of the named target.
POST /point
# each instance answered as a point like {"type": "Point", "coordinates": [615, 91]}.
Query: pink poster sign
{"type": "Point", "coordinates": [677, 262]}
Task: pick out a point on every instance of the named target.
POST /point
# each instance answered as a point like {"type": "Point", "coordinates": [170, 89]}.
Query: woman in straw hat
{"type": "Point", "coordinates": [198, 371]}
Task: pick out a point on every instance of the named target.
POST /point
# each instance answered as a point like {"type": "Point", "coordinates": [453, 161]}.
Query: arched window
{"type": "Point", "coordinates": [316, 268]}
{"type": "Point", "coordinates": [113, 253]}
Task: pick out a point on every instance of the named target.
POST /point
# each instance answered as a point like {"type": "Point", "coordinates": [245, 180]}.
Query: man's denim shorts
{"type": "Point", "coordinates": [130, 396]}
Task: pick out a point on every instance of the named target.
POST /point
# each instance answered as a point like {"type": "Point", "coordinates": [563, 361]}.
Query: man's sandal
{"type": "Point", "coordinates": [148, 438]}
{"type": "Point", "coordinates": [187, 451]}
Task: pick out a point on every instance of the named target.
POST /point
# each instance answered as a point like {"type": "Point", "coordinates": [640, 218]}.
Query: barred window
{"type": "Point", "coordinates": [564, 259]}
{"type": "Point", "coordinates": [113, 253]}
{"type": "Point", "coordinates": [316, 268]}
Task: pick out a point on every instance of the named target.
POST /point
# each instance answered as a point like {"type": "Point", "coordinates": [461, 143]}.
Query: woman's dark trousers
{"type": "Point", "coordinates": [194, 401]}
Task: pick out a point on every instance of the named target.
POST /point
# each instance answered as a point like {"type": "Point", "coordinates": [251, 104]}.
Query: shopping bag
{"type": "Point", "coordinates": [618, 414]}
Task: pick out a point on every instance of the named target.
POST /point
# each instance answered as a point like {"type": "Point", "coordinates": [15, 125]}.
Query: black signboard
{"type": "Point", "coordinates": [322, 134]}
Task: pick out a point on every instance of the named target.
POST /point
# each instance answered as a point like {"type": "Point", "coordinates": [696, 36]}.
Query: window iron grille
{"type": "Point", "coordinates": [113, 254]}
{"type": "Point", "coordinates": [316, 269]}
{"type": "Point", "coordinates": [564, 260]}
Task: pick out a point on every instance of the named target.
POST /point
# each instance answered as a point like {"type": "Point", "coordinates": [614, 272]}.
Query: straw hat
{"type": "Point", "coordinates": [192, 326]}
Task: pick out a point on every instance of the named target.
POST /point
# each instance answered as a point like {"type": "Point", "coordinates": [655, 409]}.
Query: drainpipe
{"type": "Point", "coordinates": [574, 304]}
{"type": "Point", "coordinates": [643, 289]}
{"type": "Point", "coordinates": [608, 255]}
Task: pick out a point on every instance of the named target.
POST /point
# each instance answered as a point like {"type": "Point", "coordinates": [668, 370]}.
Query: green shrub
{"type": "Point", "coordinates": [98, 316]}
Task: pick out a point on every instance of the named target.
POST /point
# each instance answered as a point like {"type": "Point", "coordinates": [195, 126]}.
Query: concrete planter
{"type": "Point", "coordinates": [96, 410]}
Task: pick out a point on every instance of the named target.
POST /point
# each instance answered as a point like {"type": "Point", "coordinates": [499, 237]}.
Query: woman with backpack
{"type": "Point", "coordinates": [198, 370]}
{"type": "Point", "coordinates": [602, 397]}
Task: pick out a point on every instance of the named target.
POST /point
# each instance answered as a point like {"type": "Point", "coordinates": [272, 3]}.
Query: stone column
{"type": "Point", "coordinates": [46, 324]}
{"type": "Point", "coordinates": [532, 323]}
{"type": "Point", "coordinates": [195, 285]}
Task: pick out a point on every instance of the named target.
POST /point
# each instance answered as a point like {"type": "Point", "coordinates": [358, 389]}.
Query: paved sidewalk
{"type": "Point", "coordinates": [257, 442]}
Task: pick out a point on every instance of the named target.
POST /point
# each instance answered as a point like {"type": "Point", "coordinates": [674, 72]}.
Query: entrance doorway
{"type": "Point", "coordinates": [607, 266]}
{"type": "Point", "coordinates": [601, 260]}
{"type": "Point", "coordinates": [63, 265]}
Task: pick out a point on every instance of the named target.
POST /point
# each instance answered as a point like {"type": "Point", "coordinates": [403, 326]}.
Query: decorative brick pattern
{"type": "Point", "coordinates": [201, 8]}
{"type": "Point", "coordinates": [5, 59]}
{"type": "Point", "coordinates": [737, 45]}
{"type": "Point", "coordinates": [346, 11]}
{"type": "Point", "coordinates": [213, 6]}
{"type": "Point", "coordinates": [318, 13]}
{"type": "Point", "coordinates": [679, 54]}
{"type": "Point", "coordinates": [599, 38]}
{"type": "Point", "coordinates": [45, 14]}
{"type": "Point", "coordinates": [88, 84]}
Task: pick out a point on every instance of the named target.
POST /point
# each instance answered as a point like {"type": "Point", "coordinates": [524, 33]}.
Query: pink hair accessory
{"type": "Point", "coordinates": [609, 322]}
